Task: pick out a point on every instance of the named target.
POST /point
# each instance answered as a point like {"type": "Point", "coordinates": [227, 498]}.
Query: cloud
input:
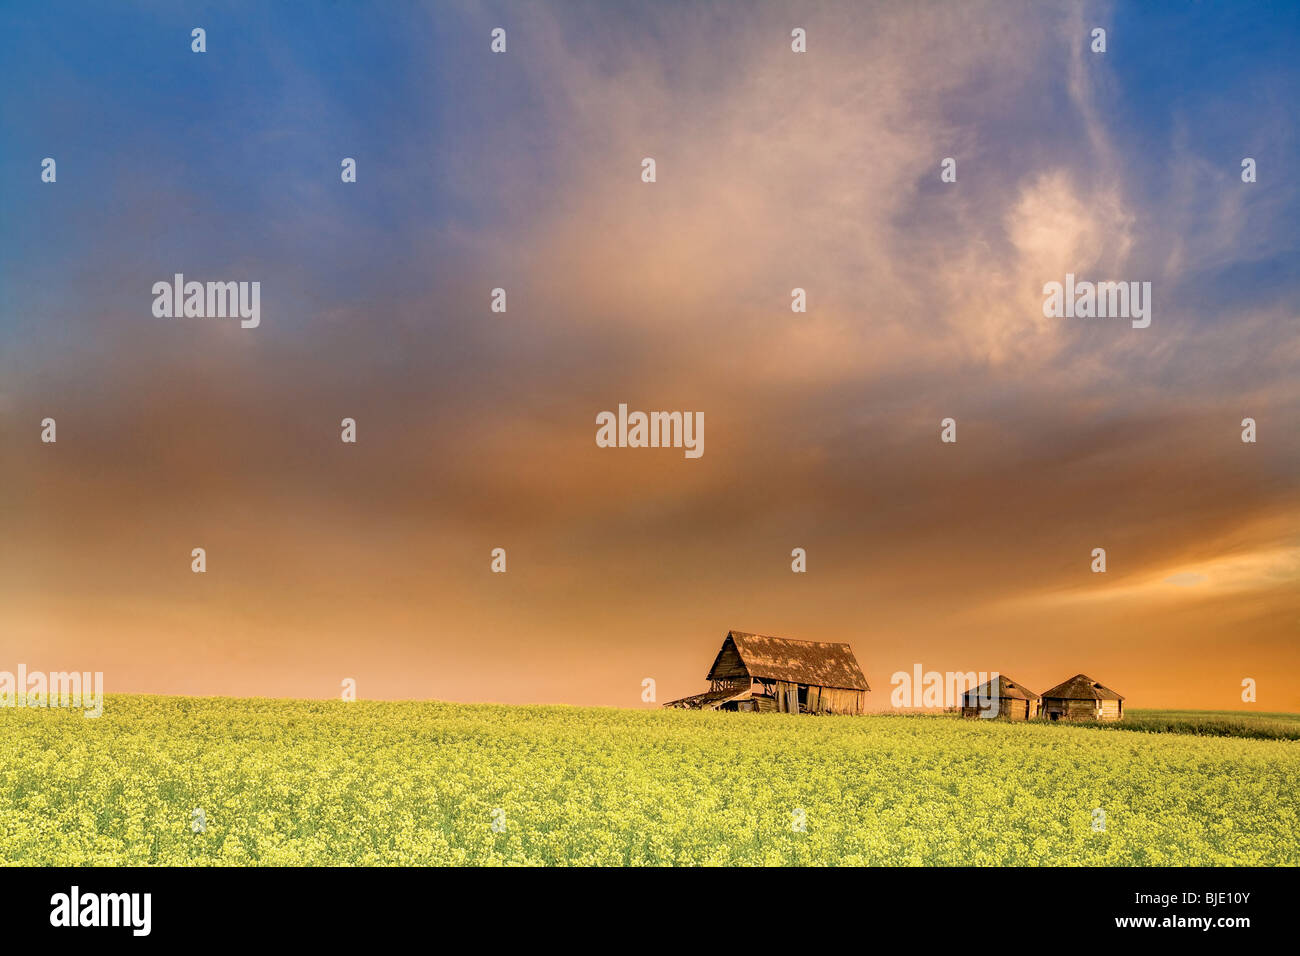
{"type": "Point", "coordinates": [776, 171]}
{"type": "Point", "coordinates": [1263, 570]}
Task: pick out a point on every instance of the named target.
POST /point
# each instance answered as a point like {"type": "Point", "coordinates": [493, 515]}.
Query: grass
{"type": "Point", "coordinates": [1211, 723]}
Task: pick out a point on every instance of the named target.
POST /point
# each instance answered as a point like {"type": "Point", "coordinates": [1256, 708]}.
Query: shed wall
{"type": "Point", "coordinates": [1073, 709]}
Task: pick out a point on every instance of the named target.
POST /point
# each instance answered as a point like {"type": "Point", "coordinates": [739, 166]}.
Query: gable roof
{"type": "Point", "coordinates": [1081, 687]}
{"type": "Point", "coordinates": [800, 662]}
{"type": "Point", "coordinates": [1001, 686]}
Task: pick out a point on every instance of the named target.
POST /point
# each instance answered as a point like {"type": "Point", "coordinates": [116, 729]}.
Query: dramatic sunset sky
{"type": "Point", "coordinates": [476, 430]}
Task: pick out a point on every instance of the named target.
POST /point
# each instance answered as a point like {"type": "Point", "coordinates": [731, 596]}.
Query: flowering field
{"type": "Point", "coordinates": [219, 781]}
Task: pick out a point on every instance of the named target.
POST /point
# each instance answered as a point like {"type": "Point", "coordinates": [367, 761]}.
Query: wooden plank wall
{"type": "Point", "coordinates": [820, 700]}
{"type": "Point", "coordinates": [815, 704]}
{"type": "Point", "coordinates": [1080, 709]}
{"type": "Point", "coordinates": [838, 700]}
{"type": "Point", "coordinates": [781, 689]}
{"type": "Point", "coordinates": [729, 664]}
{"type": "Point", "coordinates": [1012, 708]}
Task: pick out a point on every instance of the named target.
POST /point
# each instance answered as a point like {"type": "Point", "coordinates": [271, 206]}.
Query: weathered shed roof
{"type": "Point", "coordinates": [710, 698]}
{"type": "Point", "coordinates": [1081, 687]}
{"type": "Point", "coordinates": [1001, 686]}
{"type": "Point", "coordinates": [800, 662]}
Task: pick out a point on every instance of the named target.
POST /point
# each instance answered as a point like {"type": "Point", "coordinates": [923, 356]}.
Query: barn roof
{"type": "Point", "coordinates": [1081, 687]}
{"type": "Point", "coordinates": [1002, 686]}
{"type": "Point", "coordinates": [800, 662]}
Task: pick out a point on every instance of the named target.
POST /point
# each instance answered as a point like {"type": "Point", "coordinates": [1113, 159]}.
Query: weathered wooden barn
{"type": "Point", "coordinates": [1082, 698]}
{"type": "Point", "coordinates": [753, 672]}
{"type": "Point", "coordinates": [1015, 701]}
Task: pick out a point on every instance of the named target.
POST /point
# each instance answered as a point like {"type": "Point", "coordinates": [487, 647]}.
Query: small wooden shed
{"type": "Point", "coordinates": [1015, 701]}
{"type": "Point", "coordinates": [754, 672]}
{"type": "Point", "coordinates": [1082, 698]}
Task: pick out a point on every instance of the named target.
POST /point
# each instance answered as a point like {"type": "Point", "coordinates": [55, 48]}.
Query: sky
{"type": "Point", "coordinates": [775, 170]}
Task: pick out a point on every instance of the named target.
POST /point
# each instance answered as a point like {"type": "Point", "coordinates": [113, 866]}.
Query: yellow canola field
{"type": "Point", "coordinates": [169, 780]}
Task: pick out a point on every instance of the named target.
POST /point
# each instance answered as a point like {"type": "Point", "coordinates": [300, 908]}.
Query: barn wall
{"type": "Point", "coordinates": [728, 665]}
{"type": "Point", "coordinates": [819, 700]}
{"type": "Point", "coordinates": [1110, 710]}
{"type": "Point", "coordinates": [782, 691]}
{"type": "Point", "coordinates": [839, 700]}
